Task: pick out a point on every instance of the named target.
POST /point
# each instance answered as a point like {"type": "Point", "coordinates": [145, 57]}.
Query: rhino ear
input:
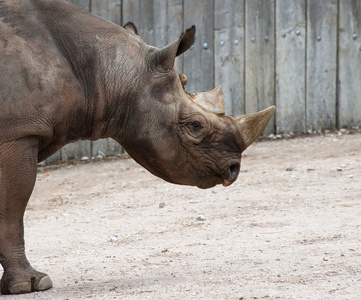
{"type": "Point", "coordinates": [186, 40]}
{"type": "Point", "coordinates": [166, 56]}
{"type": "Point", "coordinates": [131, 28]}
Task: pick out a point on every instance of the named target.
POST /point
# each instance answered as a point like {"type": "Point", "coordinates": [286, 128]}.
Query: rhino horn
{"type": "Point", "coordinates": [212, 101]}
{"type": "Point", "coordinates": [252, 125]}
{"type": "Point", "coordinates": [166, 56]}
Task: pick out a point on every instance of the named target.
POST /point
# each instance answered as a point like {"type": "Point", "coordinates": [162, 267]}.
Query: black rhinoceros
{"type": "Point", "coordinates": [67, 75]}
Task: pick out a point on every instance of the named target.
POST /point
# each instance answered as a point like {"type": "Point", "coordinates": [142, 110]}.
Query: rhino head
{"type": "Point", "coordinates": [181, 137]}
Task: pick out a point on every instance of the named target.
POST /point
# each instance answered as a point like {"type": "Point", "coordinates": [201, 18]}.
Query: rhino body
{"type": "Point", "coordinates": [67, 75]}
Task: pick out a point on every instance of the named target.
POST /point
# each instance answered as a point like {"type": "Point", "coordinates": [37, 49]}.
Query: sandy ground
{"type": "Point", "coordinates": [289, 228]}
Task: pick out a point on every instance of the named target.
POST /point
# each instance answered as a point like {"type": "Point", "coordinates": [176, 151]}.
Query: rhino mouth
{"type": "Point", "coordinates": [226, 178]}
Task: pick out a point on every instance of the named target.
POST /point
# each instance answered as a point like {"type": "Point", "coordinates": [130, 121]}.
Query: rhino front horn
{"type": "Point", "coordinates": [251, 126]}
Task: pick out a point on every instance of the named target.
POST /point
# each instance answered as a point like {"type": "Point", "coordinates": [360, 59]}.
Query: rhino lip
{"type": "Point", "coordinates": [226, 178]}
{"type": "Point", "coordinates": [231, 174]}
{"type": "Point", "coordinates": [226, 183]}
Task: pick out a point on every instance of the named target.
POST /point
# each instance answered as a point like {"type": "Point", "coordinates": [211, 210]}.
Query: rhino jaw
{"type": "Point", "coordinates": [251, 126]}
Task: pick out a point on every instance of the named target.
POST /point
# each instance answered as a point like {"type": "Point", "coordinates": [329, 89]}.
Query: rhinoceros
{"type": "Point", "coordinates": [67, 75]}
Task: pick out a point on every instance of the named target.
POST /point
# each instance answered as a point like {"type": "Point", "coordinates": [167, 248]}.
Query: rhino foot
{"type": "Point", "coordinates": [33, 281]}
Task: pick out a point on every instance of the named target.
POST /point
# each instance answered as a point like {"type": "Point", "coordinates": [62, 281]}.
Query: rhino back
{"type": "Point", "coordinates": [36, 82]}
{"type": "Point", "coordinates": [70, 75]}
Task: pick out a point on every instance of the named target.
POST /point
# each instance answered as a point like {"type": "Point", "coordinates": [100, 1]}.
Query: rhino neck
{"type": "Point", "coordinates": [94, 50]}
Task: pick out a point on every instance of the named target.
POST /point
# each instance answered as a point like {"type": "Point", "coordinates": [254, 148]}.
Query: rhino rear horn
{"type": "Point", "coordinates": [212, 101]}
{"type": "Point", "coordinates": [252, 125]}
{"type": "Point", "coordinates": [166, 56]}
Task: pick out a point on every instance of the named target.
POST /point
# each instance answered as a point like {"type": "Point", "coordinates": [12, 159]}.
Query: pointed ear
{"type": "Point", "coordinates": [131, 28]}
{"type": "Point", "coordinates": [186, 40]}
{"type": "Point", "coordinates": [166, 56]}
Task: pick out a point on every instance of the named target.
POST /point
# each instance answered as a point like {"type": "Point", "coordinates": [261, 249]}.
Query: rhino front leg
{"type": "Point", "coordinates": [18, 164]}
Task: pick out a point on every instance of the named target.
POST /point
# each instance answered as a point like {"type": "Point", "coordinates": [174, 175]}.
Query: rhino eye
{"type": "Point", "coordinates": [197, 126]}
{"type": "Point", "coordinates": [193, 128]}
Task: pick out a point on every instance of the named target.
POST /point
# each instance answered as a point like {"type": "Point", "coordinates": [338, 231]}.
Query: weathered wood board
{"type": "Point", "coordinates": [349, 58]}
{"type": "Point", "coordinates": [321, 65]}
{"type": "Point", "coordinates": [175, 26]}
{"type": "Point", "coordinates": [160, 30]}
{"type": "Point", "coordinates": [290, 66]}
{"type": "Point", "coordinates": [76, 150]}
{"type": "Point", "coordinates": [106, 147]}
{"type": "Point", "coordinates": [107, 9]}
{"type": "Point", "coordinates": [168, 24]}
{"type": "Point", "coordinates": [229, 47]}
{"type": "Point", "coordinates": [199, 60]}
{"type": "Point", "coordinates": [85, 4]}
{"type": "Point", "coordinates": [259, 57]}
{"type": "Point", "coordinates": [140, 12]}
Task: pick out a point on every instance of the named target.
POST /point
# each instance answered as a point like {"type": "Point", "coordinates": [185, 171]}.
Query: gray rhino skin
{"type": "Point", "coordinates": [67, 75]}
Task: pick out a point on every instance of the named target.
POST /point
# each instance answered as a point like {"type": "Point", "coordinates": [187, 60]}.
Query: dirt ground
{"type": "Point", "coordinates": [288, 228]}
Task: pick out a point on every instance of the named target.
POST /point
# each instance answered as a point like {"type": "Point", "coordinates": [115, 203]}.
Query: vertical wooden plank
{"type": "Point", "coordinates": [321, 64]}
{"type": "Point", "coordinates": [85, 4]}
{"type": "Point", "coordinates": [198, 61]}
{"type": "Point", "coordinates": [349, 88]}
{"type": "Point", "coordinates": [107, 9]}
{"type": "Point", "coordinates": [175, 26]}
{"type": "Point", "coordinates": [167, 16]}
{"type": "Point", "coordinates": [260, 56]}
{"type": "Point", "coordinates": [290, 66]}
{"type": "Point", "coordinates": [54, 158]}
{"type": "Point", "coordinates": [229, 53]}
{"type": "Point", "coordinates": [168, 24]}
{"type": "Point", "coordinates": [159, 22]}
{"type": "Point", "coordinates": [160, 10]}
{"type": "Point", "coordinates": [131, 12]}
{"type": "Point", "coordinates": [76, 150]}
{"type": "Point", "coordinates": [140, 12]}
{"type": "Point", "coordinates": [146, 21]}
{"type": "Point", "coordinates": [106, 147]}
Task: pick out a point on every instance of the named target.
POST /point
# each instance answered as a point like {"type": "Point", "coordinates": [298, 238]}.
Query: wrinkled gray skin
{"type": "Point", "coordinates": [67, 75]}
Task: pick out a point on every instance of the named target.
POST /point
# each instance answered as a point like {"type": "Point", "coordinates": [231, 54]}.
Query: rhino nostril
{"type": "Point", "coordinates": [234, 170]}
{"type": "Point", "coordinates": [231, 175]}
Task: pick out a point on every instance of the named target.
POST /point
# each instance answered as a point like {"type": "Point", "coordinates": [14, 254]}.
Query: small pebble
{"type": "Point", "coordinates": [201, 218]}
{"type": "Point", "coordinates": [161, 205]}
{"type": "Point", "coordinates": [113, 239]}
{"type": "Point", "coordinates": [100, 155]}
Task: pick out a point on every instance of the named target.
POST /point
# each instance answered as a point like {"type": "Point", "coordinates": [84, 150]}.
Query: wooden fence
{"type": "Point", "coordinates": [304, 56]}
